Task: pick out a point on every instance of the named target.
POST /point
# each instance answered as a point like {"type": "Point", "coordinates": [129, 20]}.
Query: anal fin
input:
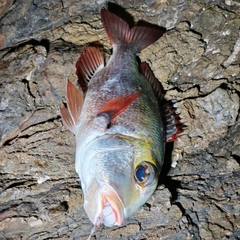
{"type": "Point", "coordinates": [88, 63]}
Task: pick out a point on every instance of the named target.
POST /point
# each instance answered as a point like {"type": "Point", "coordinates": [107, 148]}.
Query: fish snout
{"type": "Point", "coordinates": [104, 206]}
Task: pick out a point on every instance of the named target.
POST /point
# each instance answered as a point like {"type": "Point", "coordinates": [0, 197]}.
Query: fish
{"type": "Point", "coordinates": [119, 123]}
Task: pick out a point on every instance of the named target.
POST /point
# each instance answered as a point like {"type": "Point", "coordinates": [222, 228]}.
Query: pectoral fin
{"type": "Point", "coordinates": [116, 106]}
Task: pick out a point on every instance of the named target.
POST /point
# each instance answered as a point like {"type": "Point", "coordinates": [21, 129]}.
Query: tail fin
{"type": "Point", "coordinates": [119, 31]}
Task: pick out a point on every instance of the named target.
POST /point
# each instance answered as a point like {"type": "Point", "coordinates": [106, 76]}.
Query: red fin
{"type": "Point", "coordinates": [145, 36]}
{"type": "Point", "coordinates": [116, 106]}
{"type": "Point", "coordinates": [74, 101]}
{"type": "Point", "coordinates": [90, 60]}
{"type": "Point", "coordinates": [172, 120]}
{"type": "Point", "coordinates": [156, 85]}
{"type": "Point", "coordinates": [71, 114]}
{"type": "Point", "coordinates": [118, 31]}
{"type": "Point", "coordinates": [67, 119]}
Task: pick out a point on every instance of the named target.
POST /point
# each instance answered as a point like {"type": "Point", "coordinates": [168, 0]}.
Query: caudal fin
{"type": "Point", "coordinates": [119, 31]}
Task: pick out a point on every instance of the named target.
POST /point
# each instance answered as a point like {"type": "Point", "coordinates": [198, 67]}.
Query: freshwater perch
{"type": "Point", "coordinates": [119, 123]}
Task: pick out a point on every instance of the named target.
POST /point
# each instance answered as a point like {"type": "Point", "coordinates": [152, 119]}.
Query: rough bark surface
{"type": "Point", "coordinates": [197, 61]}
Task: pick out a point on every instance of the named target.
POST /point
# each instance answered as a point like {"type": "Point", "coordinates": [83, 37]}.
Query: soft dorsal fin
{"type": "Point", "coordinates": [90, 60]}
{"type": "Point", "coordinates": [156, 85]}
{"type": "Point", "coordinates": [117, 105]}
{"type": "Point", "coordinates": [171, 119]}
{"type": "Point", "coordinates": [119, 31]}
{"type": "Point", "coordinates": [71, 114]}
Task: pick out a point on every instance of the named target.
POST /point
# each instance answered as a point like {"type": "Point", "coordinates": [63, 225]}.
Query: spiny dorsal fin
{"type": "Point", "coordinates": [117, 105]}
{"type": "Point", "coordinates": [119, 31]}
{"type": "Point", "coordinates": [71, 114]}
{"type": "Point", "coordinates": [173, 124]}
{"type": "Point", "coordinates": [88, 63]}
{"type": "Point", "coordinates": [156, 85]}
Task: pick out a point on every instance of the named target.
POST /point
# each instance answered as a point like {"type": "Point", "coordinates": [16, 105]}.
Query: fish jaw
{"type": "Point", "coordinates": [103, 205]}
{"type": "Point", "coordinates": [107, 171]}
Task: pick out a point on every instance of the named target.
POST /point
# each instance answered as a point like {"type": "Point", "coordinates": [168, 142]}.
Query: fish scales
{"type": "Point", "coordinates": [121, 76]}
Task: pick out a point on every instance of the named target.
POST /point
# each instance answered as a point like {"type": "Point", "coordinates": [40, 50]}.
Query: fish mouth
{"type": "Point", "coordinates": [105, 208]}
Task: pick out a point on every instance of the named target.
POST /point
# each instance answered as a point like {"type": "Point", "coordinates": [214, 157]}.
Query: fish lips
{"type": "Point", "coordinates": [103, 205]}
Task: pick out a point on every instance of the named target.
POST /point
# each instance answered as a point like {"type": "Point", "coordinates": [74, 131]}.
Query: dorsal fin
{"type": "Point", "coordinates": [174, 126]}
{"type": "Point", "coordinates": [171, 119]}
{"type": "Point", "coordinates": [71, 114]}
{"type": "Point", "coordinates": [156, 85]}
{"type": "Point", "coordinates": [119, 31]}
{"type": "Point", "coordinates": [90, 60]}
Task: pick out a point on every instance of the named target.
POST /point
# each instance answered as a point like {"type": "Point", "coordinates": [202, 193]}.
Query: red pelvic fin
{"type": "Point", "coordinates": [119, 31]}
{"type": "Point", "coordinates": [67, 119]}
{"type": "Point", "coordinates": [174, 127]}
{"type": "Point", "coordinates": [88, 63]}
{"type": "Point", "coordinates": [156, 85]}
{"type": "Point", "coordinates": [71, 114]}
{"type": "Point", "coordinates": [116, 106]}
{"type": "Point", "coordinates": [74, 101]}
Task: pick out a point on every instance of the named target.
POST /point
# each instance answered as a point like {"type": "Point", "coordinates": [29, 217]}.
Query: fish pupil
{"type": "Point", "coordinates": [141, 173]}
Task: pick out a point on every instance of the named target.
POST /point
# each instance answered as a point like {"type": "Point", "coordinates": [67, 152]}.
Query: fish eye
{"type": "Point", "coordinates": [145, 174]}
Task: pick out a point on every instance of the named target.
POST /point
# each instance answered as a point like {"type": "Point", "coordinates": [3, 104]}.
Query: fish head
{"type": "Point", "coordinates": [118, 175]}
